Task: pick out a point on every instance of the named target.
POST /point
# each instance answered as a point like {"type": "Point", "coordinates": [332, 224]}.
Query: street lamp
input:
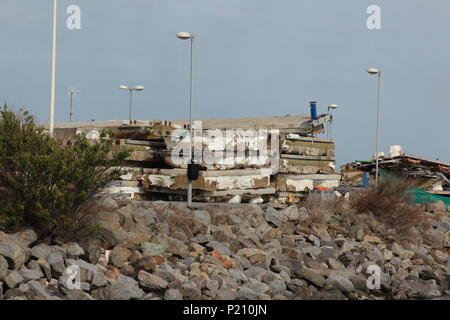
{"type": "Point", "coordinates": [331, 107]}
{"type": "Point", "coordinates": [131, 89]}
{"type": "Point", "coordinates": [72, 92]}
{"type": "Point", "coordinates": [375, 71]}
{"type": "Point", "coordinates": [53, 72]}
{"type": "Point", "coordinates": [187, 36]}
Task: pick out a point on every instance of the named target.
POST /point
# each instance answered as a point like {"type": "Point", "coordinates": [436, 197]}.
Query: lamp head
{"type": "Point", "coordinates": [333, 106]}
{"type": "Point", "coordinates": [373, 71]}
{"type": "Point", "coordinates": [123, 87]}
{"type": "Point", "coordinates": [184, 35]}
{"type": "Point", "coordinates": [139, 88]}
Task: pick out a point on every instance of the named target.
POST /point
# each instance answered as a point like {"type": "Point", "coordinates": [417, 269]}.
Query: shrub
{"type": "Point", "coordinates": [42, 184]}
{"type": "Point", "coordinates": [390, 203]}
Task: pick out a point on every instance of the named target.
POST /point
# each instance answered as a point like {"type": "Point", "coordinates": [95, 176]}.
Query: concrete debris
{"type": "Point", "coordinates": [250, 160]}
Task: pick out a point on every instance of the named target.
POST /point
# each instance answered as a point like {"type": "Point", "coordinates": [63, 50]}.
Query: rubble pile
{"type": "Point", "coordinates": [164, 250]}
{"type": "Point", "coordinates": [248, 160]}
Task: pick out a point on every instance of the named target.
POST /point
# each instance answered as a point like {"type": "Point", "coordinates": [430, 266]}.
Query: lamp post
{"type": "Point", "coordinates": [330, 107]}
{"type": "Point", "coordinates": [53, 72]}
{"type": "Point", "coordinates": [375, 71]}
{"type": "Point", "coordinates": [71, 92]}
{"type": "Point", "coordinates": [131, 89]}
{"type": "Point", "coordinates": [187, 36]}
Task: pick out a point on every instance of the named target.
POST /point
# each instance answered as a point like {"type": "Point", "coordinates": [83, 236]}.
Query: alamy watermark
{"type": "Point", "coordinates": [227, 147]}
{"type": "Point", "coordinates": [374, 279]}
{"type": "Point", "coordinates": [73, 22]}
{"type": "Point", "coordinates": [374, 19]}
{"type": "Point", "coordinates": [72, 278]}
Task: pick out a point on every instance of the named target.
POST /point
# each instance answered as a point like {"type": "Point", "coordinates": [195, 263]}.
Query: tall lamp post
{"type": "Point", "coordinates": [188, 36]}
{"type": "Point", "coordinates": [71, 92]}
{"type": "Point", "coordinates": [53, 72]}
{"type": "Point", "coordinates": [331, 107]}
{"type": "Point", "coordinates": [375, 71]}
{"type": "Point", "coordinates": [131, 89]}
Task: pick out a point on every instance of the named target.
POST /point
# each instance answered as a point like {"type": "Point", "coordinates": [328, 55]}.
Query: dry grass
{"type": "Point", "coordinates": [390, 204]}
{"type": "Point", "coordinates": [322, 212]}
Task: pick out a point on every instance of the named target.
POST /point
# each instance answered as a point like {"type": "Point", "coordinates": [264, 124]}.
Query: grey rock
{"type": "Point", "coordinates": [275, 217]}
{"type": "Point", "coordinates": [119, 256]}
{"type": "Point", "coordinates": [78, 294]}
{"type": "Point", "coordinates": [56, 260]}
{"type": "Point", "coordinates": [29, 274]}
{"type": "Point", "coordinates": [92, 249]}
{"type": "Point", "coordinates": [125, 288]}
{"type": "Point", "coordinates": [270, 276]}
{"type": "Point", "coordinates": [227, 294]}
{"type": "Point", "coordinates": [14, 254]}
{"type": "Point", "coordinates": [212, 286]}
{"type": "Point", "coordinates": [152, 296]}
{"type": "Point", "coordinates": [255, 273]}
{"type": "Point", "coordinates": [303, 214]}
{"type": "Point", "coordinates": [277, 287]}
{"type": "Point", "coordinates": [99, 280]}
{"type": "Point", "coordinates": [41, 251]}
{"type": "Point", "coordinates": [223, 248]}
{"type": "Point", "coordinates": [45, 268]}
{"type": "Point", "coordinates": [245, 293]}
{"type": "Point", "coordinates": [146, 217]}
{"type": "Point", "coordinates": [13, 279]}
{"type": "Point", "coordinates": [152, 249]}
{"type": "Point", "coordinates": [376, 256]}
{"type": "Point", "coordinates": [173, 294]}
{"type": "Point", "coordinates": [335, 264]}
{"type": "Point", "coordinates": [190, 290]}
{"type": "Point", "coordinates": [202, 216]}
{"type": "Point", "coordinates": [359, 282]}
{"type": "Point", "coordinates": [313, 277]}
{"type": "Point", "coordinates": [151, 281]}
{"type": "Point", "coordinates": [291, 213]}
{"type": "Point", "coordinates": [110, 228]}
{"type": "Point", "coordinates": [257, 286]}
{"type": "Point", "coordinates": [172, 245]}
{"type": "Point", "coordinates": [338, 281]}
{"type": "Point", "coordinates": [73, 250]}
{"type": "Point", "coordinates": [109, 203]}
{"type": "Point", "coordinates": [119, 291]}
{"type": "Point", "coordinates": [24, 288]}
{"type": "Point", "coordinates": [40, 290]}
{"type": "Point", "coordinates": [238, 275]}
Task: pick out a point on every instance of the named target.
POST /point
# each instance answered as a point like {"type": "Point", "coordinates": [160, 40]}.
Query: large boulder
{"type": "Point", "coordinates": [15, 254]}
{"type": "Point", "coordinates": [337, 280]}
{"type": "Point", "coordinates": [125, 288]}
{"type": "Point", "coordinates": [13, 279]}
{"type": "Point", "coordinates": [275, 217]}
{"type": "Point", "coordinates": [119, 256]}
{"type": "Point", "coordinates": [41, 251]}
{"type": "Point", "coordinates": [151, 281]}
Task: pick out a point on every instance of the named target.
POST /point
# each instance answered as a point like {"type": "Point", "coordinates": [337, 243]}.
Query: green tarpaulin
{"type": "Point", "coordinates": [418, 195]}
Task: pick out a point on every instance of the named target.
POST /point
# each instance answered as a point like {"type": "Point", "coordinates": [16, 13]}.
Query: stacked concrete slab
{"type": "Point", "coordinates": [244, 160]}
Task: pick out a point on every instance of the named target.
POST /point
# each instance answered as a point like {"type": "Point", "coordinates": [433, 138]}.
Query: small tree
{"type": "Point", "coordinates": [42, 184]}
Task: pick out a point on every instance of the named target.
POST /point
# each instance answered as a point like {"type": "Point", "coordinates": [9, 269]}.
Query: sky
{"type": "Point", "coordinates": [251, 58]}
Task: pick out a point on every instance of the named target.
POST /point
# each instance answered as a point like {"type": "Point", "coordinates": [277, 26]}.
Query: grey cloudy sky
{"type": "Point", "coordinates": [253, 58]}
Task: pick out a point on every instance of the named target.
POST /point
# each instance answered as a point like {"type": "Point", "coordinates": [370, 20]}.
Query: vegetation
{"type": "Point", "coordinates": [43, 184]}
{"type": "Point", "coordinates": [391, 204]}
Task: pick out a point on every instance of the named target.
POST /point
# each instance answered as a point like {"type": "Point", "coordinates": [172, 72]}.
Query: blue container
{"type": "Point", "coordinates": [365, 180]}
{"type": "Point", "coordinates": [313, 106]}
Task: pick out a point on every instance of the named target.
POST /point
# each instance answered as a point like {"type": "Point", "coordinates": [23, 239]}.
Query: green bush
{"type": "Point", "coordinates": [42, 184]}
